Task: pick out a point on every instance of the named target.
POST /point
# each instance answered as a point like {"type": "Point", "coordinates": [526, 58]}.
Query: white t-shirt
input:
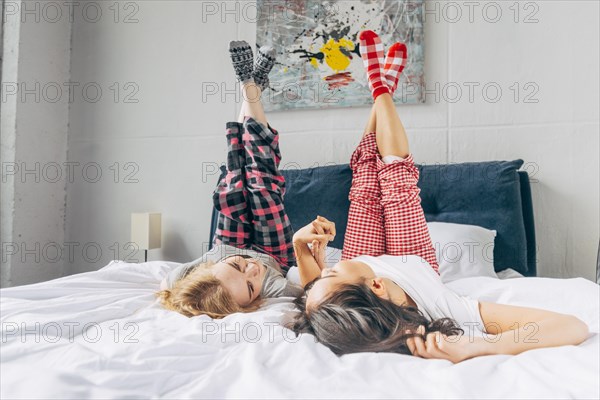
{"type": "Point", "coordinates": [416, 277]}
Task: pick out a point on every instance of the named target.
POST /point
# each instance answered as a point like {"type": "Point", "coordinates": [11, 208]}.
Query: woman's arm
{"type": "Point", "coordinates": [517, 329]}
{"type": "Point", "coordinates": [510, 330]}
{"type": "Point", "coordinates": [307, 265]}
{"type": "Point", "coordinates": [310, 262]}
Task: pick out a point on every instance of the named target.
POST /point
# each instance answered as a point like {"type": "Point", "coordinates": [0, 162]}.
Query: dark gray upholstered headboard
{"type": "Point", "coordinates": [529, 222]}
{"type": "Point", "coordinates": [491, 194]}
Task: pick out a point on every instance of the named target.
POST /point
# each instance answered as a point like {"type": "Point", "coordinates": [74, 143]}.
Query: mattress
{"type": "Point", "coordinates": [103, 334]}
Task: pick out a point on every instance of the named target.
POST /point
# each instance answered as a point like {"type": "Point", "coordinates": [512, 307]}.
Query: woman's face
{"type": "Point", "coordinates": [344, 272]}
{"type": "Point", "coordinates": [241, 276]}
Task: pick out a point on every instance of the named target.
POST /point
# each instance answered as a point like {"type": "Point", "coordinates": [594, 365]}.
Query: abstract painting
{"type": "Point", "coordinates": [318, 57]}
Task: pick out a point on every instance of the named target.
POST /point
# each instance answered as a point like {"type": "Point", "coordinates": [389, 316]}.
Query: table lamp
{"type": "Point", "coordinates": [146, 231]}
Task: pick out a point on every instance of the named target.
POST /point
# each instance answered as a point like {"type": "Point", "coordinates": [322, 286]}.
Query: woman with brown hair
{"type": "Point", "coordinates": [386, 295]}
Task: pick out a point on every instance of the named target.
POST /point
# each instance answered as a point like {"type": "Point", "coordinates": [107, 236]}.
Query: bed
{"type": "Point", "coordinates": [101, 334]}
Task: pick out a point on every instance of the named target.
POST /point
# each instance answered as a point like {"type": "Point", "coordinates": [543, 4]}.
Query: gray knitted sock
{"type": "Point", "coordinates": [265, 60]}
{"type": "Point", "coordinates": [242, 60]}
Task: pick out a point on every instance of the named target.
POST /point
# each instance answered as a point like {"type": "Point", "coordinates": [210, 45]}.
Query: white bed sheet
{"type": "Point", "coordinates": [144, 351]}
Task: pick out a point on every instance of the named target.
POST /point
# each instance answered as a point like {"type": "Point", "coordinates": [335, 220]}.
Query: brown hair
{"type": "Point", "coordinates": [354, 319]}
{"type": "Point", "coordinates": [201, 293]}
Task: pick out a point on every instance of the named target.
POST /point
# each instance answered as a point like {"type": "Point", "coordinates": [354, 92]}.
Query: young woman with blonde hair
{"type": "Point", "coordinates": [253, 239]}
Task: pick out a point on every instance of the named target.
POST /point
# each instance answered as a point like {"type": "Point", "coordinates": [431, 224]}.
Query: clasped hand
{"type": "Point", "coordinates": [317, 233]}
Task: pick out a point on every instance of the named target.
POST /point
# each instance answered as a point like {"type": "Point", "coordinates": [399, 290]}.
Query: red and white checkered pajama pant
{"type": "Point", "coordinates": [385, 215]}
{"type": "Point", "coordinates": [250, 196]}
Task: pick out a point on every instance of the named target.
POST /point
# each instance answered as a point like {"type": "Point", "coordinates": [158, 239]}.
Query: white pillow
{"type": "Point", "coordinates": [463, 250]}
{"type": "Point", "coordinates": [509, 273]}
{"type": "Point", "coordinates": [332, 256]}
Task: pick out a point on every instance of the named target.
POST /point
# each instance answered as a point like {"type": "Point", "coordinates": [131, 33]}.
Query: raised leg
{"type": "Point", "coordinates": [406, 229]}
{"type": "Point", "coordinates": [391, 136]}
{"type": "Point", "coordinates": [365, 233]}
{"type": "Point", "coordinates": [252, 105]}
{"type": "Point", "coordinates": [229, 198]}
{"type": "Point", "coordinates": [250, 197]}
{"type": "Point", "coordinates": [271, 228]}
{"type": "Point", "coordinates": [372, 124]}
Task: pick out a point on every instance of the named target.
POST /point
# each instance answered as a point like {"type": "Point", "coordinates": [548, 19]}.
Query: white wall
{"type": "Point", "coordinates": [34, 143]}
{"type": "Point", "coordinates": [171, 134]}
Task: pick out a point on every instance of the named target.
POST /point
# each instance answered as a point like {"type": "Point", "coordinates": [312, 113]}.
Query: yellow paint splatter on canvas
{"type": "Point", "coordinates": [334, 57]}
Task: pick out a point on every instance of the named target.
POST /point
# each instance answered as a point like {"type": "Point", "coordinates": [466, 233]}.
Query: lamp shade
{"type": "Point", "coordinates": [146, 230]}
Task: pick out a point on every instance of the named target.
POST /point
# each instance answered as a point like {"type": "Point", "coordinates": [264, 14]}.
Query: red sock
{"type": "Point", "coordinates": [394, 65]}
{"type": "Point", "coordinates": [371, 51]}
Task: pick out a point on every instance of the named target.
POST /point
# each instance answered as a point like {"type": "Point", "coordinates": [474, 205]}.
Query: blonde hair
{"type": "Point", "coordinates": [201, 293]}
